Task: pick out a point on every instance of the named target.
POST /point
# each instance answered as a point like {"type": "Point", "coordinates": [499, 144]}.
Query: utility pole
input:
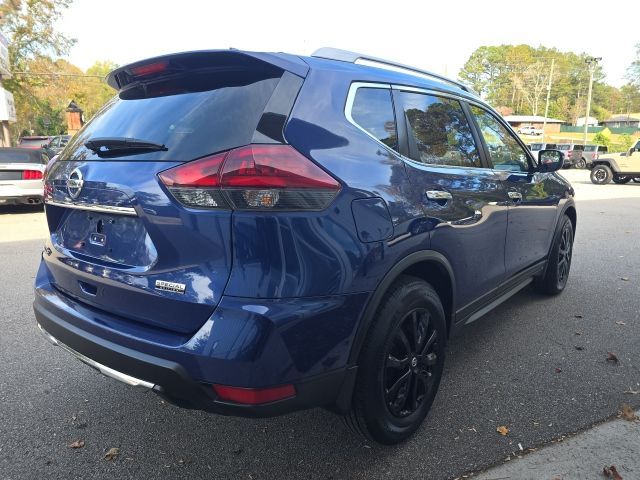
{"type": "Point", "coordinates": [592, 63]}
{"type": "Point", "coordinates": [546, 107]}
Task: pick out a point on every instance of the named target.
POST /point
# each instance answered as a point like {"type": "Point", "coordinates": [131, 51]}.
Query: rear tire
{"type": "Point", "coordinates": [401, 362]}
{"type": "Point", "coordinates": [601, 174]}
{"type": "Point", "coordinates": [582, 163]}
{"type": "Point", "coordinates": [559, 261]}
{"type": "Point", "coordinates": [621, 179]}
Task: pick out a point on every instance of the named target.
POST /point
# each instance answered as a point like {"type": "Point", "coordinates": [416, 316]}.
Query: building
{"type": "Point", "coordinates": [7, 106]}
{"type": "Point", "coordinates": [536, 121]}
{"type": "Point", "coordinates": [626, 120]}
{"type": "Point", "coordinates": [591, 121]}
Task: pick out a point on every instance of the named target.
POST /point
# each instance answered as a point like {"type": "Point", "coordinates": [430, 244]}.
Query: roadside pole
{"type": "Point", "coordinates": [592, 62]}
{"type": "Point", "coordinates": [546, 107]}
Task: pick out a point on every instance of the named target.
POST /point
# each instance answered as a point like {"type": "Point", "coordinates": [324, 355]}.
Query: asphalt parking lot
{"type": "Point", "coordinates": [535, 365]}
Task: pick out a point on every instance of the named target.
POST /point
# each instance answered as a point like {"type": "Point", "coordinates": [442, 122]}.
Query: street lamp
{"type": "Point", "coordinates": [592, 63]}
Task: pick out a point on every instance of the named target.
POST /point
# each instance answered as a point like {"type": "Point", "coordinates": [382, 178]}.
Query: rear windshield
{"type": "Point", "coordinates": [590, 148]}
{"type": "Point", "coordinates": [195, 115]}
{"type": "Point", "coordinates": [34, 141]}
{"type": "Point", "coordinates": [16, 156]}
{"type": "Point", "coordinates": [536, 146]}
{"type": "Point", "coordinates": [564, 146]}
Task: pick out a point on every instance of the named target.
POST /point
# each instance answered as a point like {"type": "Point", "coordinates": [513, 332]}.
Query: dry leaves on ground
{"type": "Point", "coordinates": [502, 430]}
{"type": "Point", "coordinates": [624, 279]}
{"type": "Point", "coordinates": [76, 444]}
{"type": "Point", "coordinates": [611, 472]}
{"type": "Point", "coordinates": [628, 413]}
{"type": "Point", "coordinates": [612, 357]}
{"type": "Point", "coordinates": [620, 323]}
{"type": "Point", "coordinates": [112, 453]}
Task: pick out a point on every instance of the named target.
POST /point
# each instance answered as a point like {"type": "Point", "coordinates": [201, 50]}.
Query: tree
{"type": "Point", "coordinates": [34, 43]}
{"type": "Point", "coordinates": [633, 71]}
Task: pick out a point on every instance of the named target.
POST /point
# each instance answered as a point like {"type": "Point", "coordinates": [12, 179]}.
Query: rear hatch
{"type": "Point", "coordinates": [121, 242]}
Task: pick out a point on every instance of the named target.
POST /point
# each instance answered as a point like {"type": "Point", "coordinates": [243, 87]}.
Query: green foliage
{"type": "Point", "coordinates": [633, 72]}
{"type": "Point", "coordinates": [625, 141]}
{"type": "Point", "coordinates": [33, 44]}
{"type": "Point", "coordinates": [601, 138]}
{"type": "Point", "coordinates": [516, 77]}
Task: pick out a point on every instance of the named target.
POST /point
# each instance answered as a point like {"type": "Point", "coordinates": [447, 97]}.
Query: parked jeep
{"type": "Point", "coordinates": [619, 167]}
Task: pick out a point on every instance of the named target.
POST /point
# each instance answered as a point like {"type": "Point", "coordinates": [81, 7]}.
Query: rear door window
{"type": "Point", "coordinates": [438, 131]}
{"type": "Point", "coordinates": [373, 111]}
{"type": "Point", "coordinates": [194, 115]}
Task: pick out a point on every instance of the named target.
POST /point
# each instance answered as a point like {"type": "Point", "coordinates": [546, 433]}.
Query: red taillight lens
{"type": "Point", "coordinates": [254, 396]}
{"type": "Point", "coordinates": [149, 69]}
{"type": "Point", "coordinates": [31, 174]}
{"type": "Point", "coordinates": [252, 177]}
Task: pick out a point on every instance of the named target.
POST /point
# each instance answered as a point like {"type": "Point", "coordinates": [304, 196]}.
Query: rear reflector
{"type": "Point", "coordinates": [31, 174]}
{"type": "Point", "coordinates": [254, 396]}
{"type": "Point", "coordinates": [262, 177]}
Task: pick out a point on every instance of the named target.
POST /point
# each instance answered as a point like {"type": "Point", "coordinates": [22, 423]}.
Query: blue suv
{"type": "Point", "coordinates": [256, 233]}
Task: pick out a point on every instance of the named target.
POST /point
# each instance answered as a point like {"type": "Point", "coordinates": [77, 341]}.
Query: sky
{"type": "Point", "coordinates": [436, 36]}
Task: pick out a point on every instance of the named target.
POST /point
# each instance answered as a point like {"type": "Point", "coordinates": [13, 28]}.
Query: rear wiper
{"type": "Point", "coordinates": [114, 146]}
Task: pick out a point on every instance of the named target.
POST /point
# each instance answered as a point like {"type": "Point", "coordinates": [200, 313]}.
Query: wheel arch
{"type": "Point", "coordinates": [428, 265]}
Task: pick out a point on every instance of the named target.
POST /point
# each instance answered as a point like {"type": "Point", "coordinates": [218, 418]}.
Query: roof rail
{"type": "Point", "coordinates": [352, 57]}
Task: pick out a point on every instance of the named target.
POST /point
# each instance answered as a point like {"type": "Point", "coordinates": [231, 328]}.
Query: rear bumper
{"type": "Point", "coordinates": [10, 195]}
{"type": "Point", "coordinates": [183, 373]}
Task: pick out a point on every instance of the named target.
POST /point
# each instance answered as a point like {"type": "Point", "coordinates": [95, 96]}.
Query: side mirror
{"type": "Point", "coordinates": [550, 160]}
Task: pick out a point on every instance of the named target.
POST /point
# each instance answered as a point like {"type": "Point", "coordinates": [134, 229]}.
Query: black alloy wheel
{"type": "Point", "coordinates": [408, 369]}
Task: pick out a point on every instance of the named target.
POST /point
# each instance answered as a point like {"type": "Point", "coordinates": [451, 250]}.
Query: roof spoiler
{"type": "Point", "coordinates": [179, 62]}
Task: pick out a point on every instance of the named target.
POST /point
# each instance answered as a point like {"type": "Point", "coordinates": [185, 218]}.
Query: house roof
{"type": "Point", "coordinates": [530, 119]}
{"type": "Point", "coordinates": [623, 117]}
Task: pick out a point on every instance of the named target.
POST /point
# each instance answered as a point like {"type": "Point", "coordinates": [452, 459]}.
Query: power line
{"type": "Point", "coordinates": [50, 74]}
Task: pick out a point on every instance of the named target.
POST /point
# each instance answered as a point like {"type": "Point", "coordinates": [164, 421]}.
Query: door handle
{"type": "Point", "coordinates": [515, 196]}
{"type": "Point", "coordinates": [440, 196]}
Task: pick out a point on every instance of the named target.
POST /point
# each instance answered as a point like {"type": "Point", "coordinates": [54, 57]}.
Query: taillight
{"type": "Point", "coordinates": [31, 175]}
{"type": "Point", "coordinates": [255, 177]}
{"type": "Point", "coordinates": [596, 156]}
{"type": "Point", "coordinates": [254, 396]}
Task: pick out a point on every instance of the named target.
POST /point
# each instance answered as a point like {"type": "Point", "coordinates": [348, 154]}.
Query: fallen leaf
{"type": "Point", "coordinates": [76, 444]}
{"type": "Point", "coordinates": [578, 347]}
{"type": "Point", "coordinates": [631, 391]}
{"type": "Point", "coordinates": [502, 430]}
{"type": "Point", "coordinates": [612, 357]}
{"type": "Point", "coordinates": [625, 279]}
{"type": "Point", "coordinates": [112, 453]}
{"type": "Point", "coordinates": [628, 413]}
{"type": "Point", "coordinates": [611, 472]}
{"type": "Point", "coordinates": [578, 333]}
{"type": "Point", "coordinates": [578, 316]}
{"type": "Point", "coordinates": [558, 370]}
{"type": "Point", "coordinates": [620, 323]}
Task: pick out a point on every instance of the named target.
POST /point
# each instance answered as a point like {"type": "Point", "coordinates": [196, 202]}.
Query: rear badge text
{"type": "Point", "coordinates": [170, 286]}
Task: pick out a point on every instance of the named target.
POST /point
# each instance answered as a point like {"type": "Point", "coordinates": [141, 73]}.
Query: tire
{"type": "Point", "coordinates": [636, 179]}
{"type": "Point", "coordinates": [601, 174]}
{"type": "Point", "coordinates": [582, 163]}
{"type": "Point", "coordinates": [559, 261]}
{"type": "Point", "coordinates": [621, 179]}
{"type": "Point", "coordinates": [400, 366]}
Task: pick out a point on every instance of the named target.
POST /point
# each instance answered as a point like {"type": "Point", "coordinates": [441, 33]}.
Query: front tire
{"type": "Point", "coordinates": [401, 363]}
{"type": "Point", "coordinates": [559, 261]}
{"type": "Point", "coordinates": [621, 179]}
{"type": "Point", "coordinates": [601, 174]}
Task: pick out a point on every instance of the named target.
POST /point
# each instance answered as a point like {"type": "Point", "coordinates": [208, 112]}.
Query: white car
{"type": "Point", "coordinates": [530, 130]}
{"type": "Point", "coordinates": [21, 171]}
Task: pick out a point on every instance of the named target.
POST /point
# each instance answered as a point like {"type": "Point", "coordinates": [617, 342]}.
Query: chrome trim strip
{"type": "Point", "coordinates": [94, 208]}
{"type": "Point", "coordinates": [108, 371]}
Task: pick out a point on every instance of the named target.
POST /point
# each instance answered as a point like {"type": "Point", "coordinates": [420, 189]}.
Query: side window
{"type": "Point", "coordinates": [504, 150]}
{"type": "Point", "coordinates": [373, 110]}
{"type": "Point", "coordinates": [438, 131]}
